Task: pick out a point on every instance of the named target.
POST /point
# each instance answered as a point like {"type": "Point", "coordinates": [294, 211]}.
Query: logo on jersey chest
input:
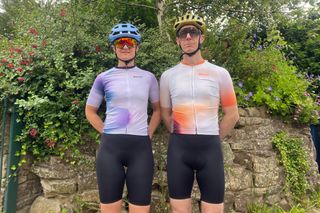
{"type": "Point", "coordinates": [203, 74]}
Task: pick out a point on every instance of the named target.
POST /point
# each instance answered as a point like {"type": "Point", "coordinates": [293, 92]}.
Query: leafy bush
{"type": "Point", "coordinates": [48, 71]}
{"type": "Point", "coordinates": [265, 77]}
{"type": "Point", "coordinates": [294, 159]}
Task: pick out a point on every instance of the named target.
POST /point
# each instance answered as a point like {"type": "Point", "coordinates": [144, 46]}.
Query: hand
{"type": "Point", "coordinates": [150, 136]}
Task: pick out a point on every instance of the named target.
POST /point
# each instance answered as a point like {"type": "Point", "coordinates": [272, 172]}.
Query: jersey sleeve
{"type": "Point", "coordinates": [154, 95]}
{"type": "Point", "coordinates": [227, 94]}
{"type": "Point", "coordinates": [165, 100]}
{"type": "Point", "coordinates": [96, 93]}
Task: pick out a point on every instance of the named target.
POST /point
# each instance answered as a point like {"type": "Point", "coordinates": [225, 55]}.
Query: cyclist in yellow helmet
{"type": "Point", "coordinates": [194, 20]}
{"type": "Point", "coordinates": [190, 96]}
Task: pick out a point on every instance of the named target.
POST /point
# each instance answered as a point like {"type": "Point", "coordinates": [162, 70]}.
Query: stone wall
{"type": "Point", "coordinates": [252, 171]}
{"type": "Point", "coordinates": [29, 187]}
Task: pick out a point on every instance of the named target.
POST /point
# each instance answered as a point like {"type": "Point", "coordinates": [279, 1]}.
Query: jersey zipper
{"type": "Point", "coordinates": [193, 102]}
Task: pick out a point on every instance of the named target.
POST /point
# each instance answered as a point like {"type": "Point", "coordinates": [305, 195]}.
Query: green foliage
{"type": "Point", "coordinates": [225, 47]}
{"type": "Point", "coordinates": [310, 204]}
{"type": "Point", "coordinates": [303, 35]}
{"type": "Point", "coordinates": [264, 77]}
{"type": "Point", "coordinates": [49, 70]}
{"type": "Point", "coordinates": [84, 206]}
{"type": "Point", "coordinates": [156, 53]}
{"type": "Point", "coordinates": [294, 159]}
{"type": "Point", "coordinates": [263, 208]}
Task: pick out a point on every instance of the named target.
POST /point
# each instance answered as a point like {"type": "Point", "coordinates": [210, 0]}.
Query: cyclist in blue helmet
{"type": "Point", "coordinates": [124, 30]}
{"type": "Point", "coordinates": [125, 152]}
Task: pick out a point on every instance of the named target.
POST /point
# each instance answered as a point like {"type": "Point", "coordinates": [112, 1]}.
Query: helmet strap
{"type": "Point", "coordinates": [128, 60]}
{"type": "Point", "coordinates": [191, 53]}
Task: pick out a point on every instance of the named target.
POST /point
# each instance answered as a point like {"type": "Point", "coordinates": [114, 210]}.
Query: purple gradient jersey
{"type": "Point", "coordinates": [126, 92]}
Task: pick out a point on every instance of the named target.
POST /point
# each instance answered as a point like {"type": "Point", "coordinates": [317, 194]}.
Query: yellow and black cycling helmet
{"type": "Point", "coordinates": [190, 19]}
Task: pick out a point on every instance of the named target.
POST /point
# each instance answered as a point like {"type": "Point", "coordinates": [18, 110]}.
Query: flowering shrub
{"type": "Point", "coordinates": [47, 72]}
{"type": "Point", "coordinates": [266, 78]}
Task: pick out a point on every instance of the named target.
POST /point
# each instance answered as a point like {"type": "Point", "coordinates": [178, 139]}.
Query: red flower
{"type": "Point", "coordinates": [98, 48]}
{"type": "Point", "coordinates": [19, 69]}
{"type": "Point", "coordinates": [18, 50]}
{"type": "Point", "coordinates": [11, 66]}
{"type": "Point", "coordinates": [34, 46]}
{"type": "Point", "coordinates": [23, 62]}
{"type": "Point", "coordinates": [63, 13]}
{"type": "Point", "coordinates": [30, 53]}
{"type": "Point", "coordinates": [33, 31]}
{"type": "Point", "coordinates": [21, 80]}
{"type": "Point", "coordinates": [4, 61]}
{"type": "Point", "coordinates": [33, 133]}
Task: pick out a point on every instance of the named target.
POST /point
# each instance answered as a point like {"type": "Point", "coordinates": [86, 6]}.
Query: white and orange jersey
{"type": "Point", "coordinates": [195, 93]}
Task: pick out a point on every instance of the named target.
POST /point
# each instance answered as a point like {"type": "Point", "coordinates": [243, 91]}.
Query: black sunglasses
{"type": "Point", "coordinates": [193, 32]}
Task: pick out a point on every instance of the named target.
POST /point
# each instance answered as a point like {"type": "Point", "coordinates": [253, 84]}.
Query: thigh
{"type": "Point", "coordinates": [110, 172]}
{"type": "Point", "coordinates": [140, 172]}
{"type": "Point", "coordinates": [210, 178]}
{"type": "Point", "coordinates": [180, 176]}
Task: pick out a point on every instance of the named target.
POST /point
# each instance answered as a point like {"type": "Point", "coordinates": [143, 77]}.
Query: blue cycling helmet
{"type": "Point", "coordinates": [124, 30]}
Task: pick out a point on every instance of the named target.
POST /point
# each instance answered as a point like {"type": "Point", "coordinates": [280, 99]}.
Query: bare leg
{"type": "Point", "coordinates": [211, 208]}
{"type": "Point", "coordinates": [181, 206]}
{"type": "Point", "coordinates": [111, 207]}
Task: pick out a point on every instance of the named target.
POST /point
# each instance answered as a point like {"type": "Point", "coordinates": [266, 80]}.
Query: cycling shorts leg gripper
{"type": "Point", "coordinates": [200, 156]}
{"type": "Point", "coordinates": [117, 151]}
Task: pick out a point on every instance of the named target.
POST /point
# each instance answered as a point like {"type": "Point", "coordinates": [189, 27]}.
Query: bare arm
{"type": "Point", "coordinates": [230, 118]}
{"type": "Point", "coordinates": [155, 118]}
{"type": "Point", "coordinates": [166, 117]}
{"type": "Point", "coordinates": [93, 118]}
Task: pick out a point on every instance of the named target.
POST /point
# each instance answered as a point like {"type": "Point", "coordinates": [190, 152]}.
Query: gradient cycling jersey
{"type": "Point", "coordinates": [194, 93]}
{"type": "Point", "coordinates": [126, 92]}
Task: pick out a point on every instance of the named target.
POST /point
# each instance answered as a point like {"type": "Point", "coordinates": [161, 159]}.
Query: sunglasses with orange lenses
{"type": "Point", "coordinates": [121, 42]}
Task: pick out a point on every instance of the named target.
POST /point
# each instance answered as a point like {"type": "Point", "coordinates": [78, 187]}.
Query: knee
{"type": "Point", "coordinates": [180, 208]}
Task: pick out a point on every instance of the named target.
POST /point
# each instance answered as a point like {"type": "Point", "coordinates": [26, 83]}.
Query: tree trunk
{"type": "Point", "coordinates": [160, 4]}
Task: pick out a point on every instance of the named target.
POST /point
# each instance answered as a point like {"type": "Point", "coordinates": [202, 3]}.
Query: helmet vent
{"type": "Point", "coordinates": [124, 30]}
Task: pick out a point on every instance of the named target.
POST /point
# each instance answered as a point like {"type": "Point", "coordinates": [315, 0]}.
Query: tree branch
{"type": "Point", "coordinates": [137, 5]}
